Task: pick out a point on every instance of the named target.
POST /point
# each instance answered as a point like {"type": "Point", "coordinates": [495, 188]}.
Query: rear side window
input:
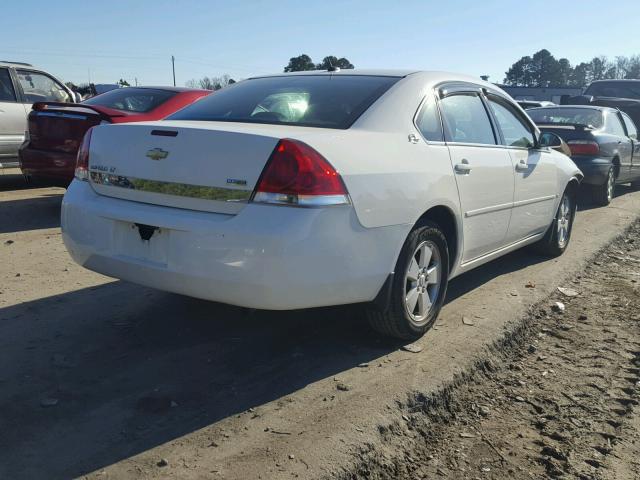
{"type": "Point", "coordinates": [632, 131]}
{"type": "Point", "coordinates": [428, 121]}
{"type": "Point", "coordinates": [515, 131]}
{"type": "Point", "coordinates": [7, 93]}
{"type": "Point", "coordinates": [466, 120]}
{"type": "Point", "coordinates": [137, 100]}
{"type": "Point", "coordinates": [614, 126]}
{"type": "Point", "coordinates": [329, 101]}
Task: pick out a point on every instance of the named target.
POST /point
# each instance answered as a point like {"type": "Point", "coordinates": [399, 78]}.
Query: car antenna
{"type": "Point", "coordinates": [332, 68]}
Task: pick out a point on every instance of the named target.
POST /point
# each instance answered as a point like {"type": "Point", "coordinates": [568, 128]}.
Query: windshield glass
{"type": "Point", "coordinates": [138, 100]}
{"type": "Point", "coordinates": [329, 101]}
{"type": "Point", "coordinates": [581, 116]}
{"type": "Point", "coordinates": [614, 89]}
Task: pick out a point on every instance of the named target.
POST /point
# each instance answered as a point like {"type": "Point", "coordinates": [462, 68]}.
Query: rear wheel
{"type": "Point", "coordinates": [557, 238]}
{"type": "Point", "coordinates": [603, 194]}
{"type": "Point", "coordinates": [418, 288]}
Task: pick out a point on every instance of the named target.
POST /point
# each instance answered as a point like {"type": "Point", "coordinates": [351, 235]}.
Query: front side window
{"type": "Point", "coordinates": [38, 87]}
{"type": "Point", "coordinates": [466, 120]}
{"type": "Point", "coordinates": [428, 121]}
{"type": "Point", "coordinates": [328, 101]}
{"type": "Point", "coordinates": [632, 131]}
{"type": "Point", "coordinates": [515, 131]}
{"type": "Point", "coordinates": [7, 94]}
{"type": "Point", "coordinates": [138, 100]}
{"type": "Point", "coordinates": [614, 126]}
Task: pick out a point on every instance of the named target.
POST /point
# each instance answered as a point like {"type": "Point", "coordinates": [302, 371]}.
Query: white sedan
{"type": "Point", "coordinates": [322, 188]}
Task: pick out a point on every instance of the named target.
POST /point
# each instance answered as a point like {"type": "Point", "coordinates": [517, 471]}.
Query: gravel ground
{"type": "Point", "coordinates": [104, 379]}
{"type": "Point", "coordinates": [557, 398]}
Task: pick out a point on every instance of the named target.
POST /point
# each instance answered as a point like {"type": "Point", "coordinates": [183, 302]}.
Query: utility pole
{"type": "Point", "coordinates": [173, 67]}
{"type": "Point", "coordinates": [136, 79]}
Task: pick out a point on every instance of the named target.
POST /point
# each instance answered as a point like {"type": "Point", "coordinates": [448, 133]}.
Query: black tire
{"type": "Point", "coordinates": [394, 319]}
{"type": "Point", "coordinates": [635, 185]}
{"type": "Point", "coordinates": [603, 194]}
{"type": "Point", "coordinates": [553, 244]}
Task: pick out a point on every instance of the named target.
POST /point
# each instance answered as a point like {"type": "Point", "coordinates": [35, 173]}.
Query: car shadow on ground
{"type": "Point", "coordinates": [586, 203]}
{"type": "Point", "coordinates": [30, 213]}
{"type": "Point", "coordinates": [115, 356]}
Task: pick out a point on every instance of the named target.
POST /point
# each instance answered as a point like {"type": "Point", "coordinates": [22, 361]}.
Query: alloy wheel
{"type": "Point", "coordinates": [422, 281]}
{"type": "Point", "coordinates": [611, 181]}
{"type": "Point", "coordinates": [564, 220]}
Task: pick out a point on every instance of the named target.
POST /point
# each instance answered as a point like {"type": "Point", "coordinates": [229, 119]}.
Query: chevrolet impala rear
{"type": "Point", "coordinates": [236, 200]}
{"type": "Point", "coordinates": [322, 188]}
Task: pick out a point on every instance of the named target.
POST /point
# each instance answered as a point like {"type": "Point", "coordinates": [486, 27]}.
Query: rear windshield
{"type": "Point", "coordinates": [138, 100]}
{"type": "Point", "coordinates": [580, 116]}
{"type": "Point", "coordinates": [614, 89]}
{"type": "Point", "coordinates": [329, 101]}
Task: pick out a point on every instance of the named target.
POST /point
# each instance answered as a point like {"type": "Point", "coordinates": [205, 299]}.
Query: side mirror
{"type": "Point", "coordinates": [553, 141]}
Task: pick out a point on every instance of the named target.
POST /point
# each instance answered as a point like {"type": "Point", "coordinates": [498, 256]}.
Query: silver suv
{"type": "Point", "coordinates": [21, 85]}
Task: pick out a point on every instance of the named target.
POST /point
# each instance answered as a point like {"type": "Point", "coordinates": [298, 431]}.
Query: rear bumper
{"type": "Point", "coordinates": [53, 167]}
{"type": "Point", "coordinates": [595, 169]}
{"type": "Point", "coordinates": [267, 257]}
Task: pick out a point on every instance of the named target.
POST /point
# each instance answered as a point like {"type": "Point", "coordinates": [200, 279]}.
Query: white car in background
{"type": "Point", "coordinates": [21, 85]}
{"type": "Point", "coordinates": [322, 188]}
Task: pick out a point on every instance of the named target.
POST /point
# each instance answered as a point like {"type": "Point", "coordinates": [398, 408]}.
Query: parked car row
{"type": "Point", "coordinates": [322, 188]}
{"type": "Point", "coordinates": [603, 141]}
{"type": "Point", "coordinates": [56, 129]}
{"type": "Point", "coordinates": [21, 85]}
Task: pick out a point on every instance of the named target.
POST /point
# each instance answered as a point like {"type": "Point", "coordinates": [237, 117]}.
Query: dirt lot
{"type": "Point", "coordinates": [557, 396]}
{"type": "Point", "coordinates": [105, 379]}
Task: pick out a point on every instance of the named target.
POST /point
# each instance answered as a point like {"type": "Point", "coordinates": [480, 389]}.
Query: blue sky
{"type": "Point", "coordinates": [112, 39]}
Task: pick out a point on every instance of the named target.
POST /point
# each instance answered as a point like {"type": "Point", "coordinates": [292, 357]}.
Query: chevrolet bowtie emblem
{"type": "Point", "coordinates": [157, 154]}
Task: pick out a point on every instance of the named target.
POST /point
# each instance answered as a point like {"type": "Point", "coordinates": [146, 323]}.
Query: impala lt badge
{"type": "Point", "coordinates": [157, 154]}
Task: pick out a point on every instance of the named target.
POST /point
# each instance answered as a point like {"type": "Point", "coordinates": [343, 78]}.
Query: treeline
{"type": "Point", "coordinates": [542, 69]}
{"type": "Point", "coordinates": [303, 63]}
{"type": "Point", "coordinates": [211, 83]}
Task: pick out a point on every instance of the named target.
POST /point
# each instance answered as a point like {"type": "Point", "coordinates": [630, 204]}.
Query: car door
{"type": "Point", "coordinates": [536, 185]}
{"type": "Point", "coordinates": [632, 133]}
{"type": "Point", "coordinates": [13, 121]}
{"type": "Point", "coordinates": [483, 171]}
{"type": "Point", "coordinates": [623, 147]}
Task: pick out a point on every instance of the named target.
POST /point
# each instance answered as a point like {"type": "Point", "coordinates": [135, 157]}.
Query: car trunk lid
{"type": "Point", "coordinates": [193, 165]}
{"type": "Point", "coordinates": [61, 126]}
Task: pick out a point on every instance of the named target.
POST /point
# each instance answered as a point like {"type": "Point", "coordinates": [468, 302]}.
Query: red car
{"type": "Point", "coordinates": [56, 129]}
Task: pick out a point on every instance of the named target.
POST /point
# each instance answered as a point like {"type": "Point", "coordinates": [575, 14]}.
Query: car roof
{"type": "Point", "coordinates": [583, 107]}
{"type": "Point", "coordinates": [433, 77]}
{"type": "Point", "coordinates": [617, 80]}
{"type": "Point", "coordinates": [6, 63]}
{"type": "Point", "coordinates": [169, 89]}
{"type": "Point", "coordinates": [350, 71]}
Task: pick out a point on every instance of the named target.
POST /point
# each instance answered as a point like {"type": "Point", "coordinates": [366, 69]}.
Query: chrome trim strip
{"type": "Point", "coordinates": [534, 200]}
{"type": "Point", "coordinates": [493, 208]}
{"type": "Point", "coordinates": [505, 206]}
{"type": "Point", "coordinates": [171, 188]}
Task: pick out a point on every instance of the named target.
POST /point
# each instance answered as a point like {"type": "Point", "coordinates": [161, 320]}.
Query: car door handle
{"type": "Point", "coordinates": [463, 166]}
{"type": "Point", "coordinates": [522, 166]}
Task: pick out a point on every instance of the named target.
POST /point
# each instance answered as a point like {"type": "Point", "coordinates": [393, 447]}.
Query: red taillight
{"type": "Point", "coordinates": [82, 160]}
{"type": "Point", "coordinates": [298, 175]}
{"type": "Point", "coordinates": [583, 147]}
